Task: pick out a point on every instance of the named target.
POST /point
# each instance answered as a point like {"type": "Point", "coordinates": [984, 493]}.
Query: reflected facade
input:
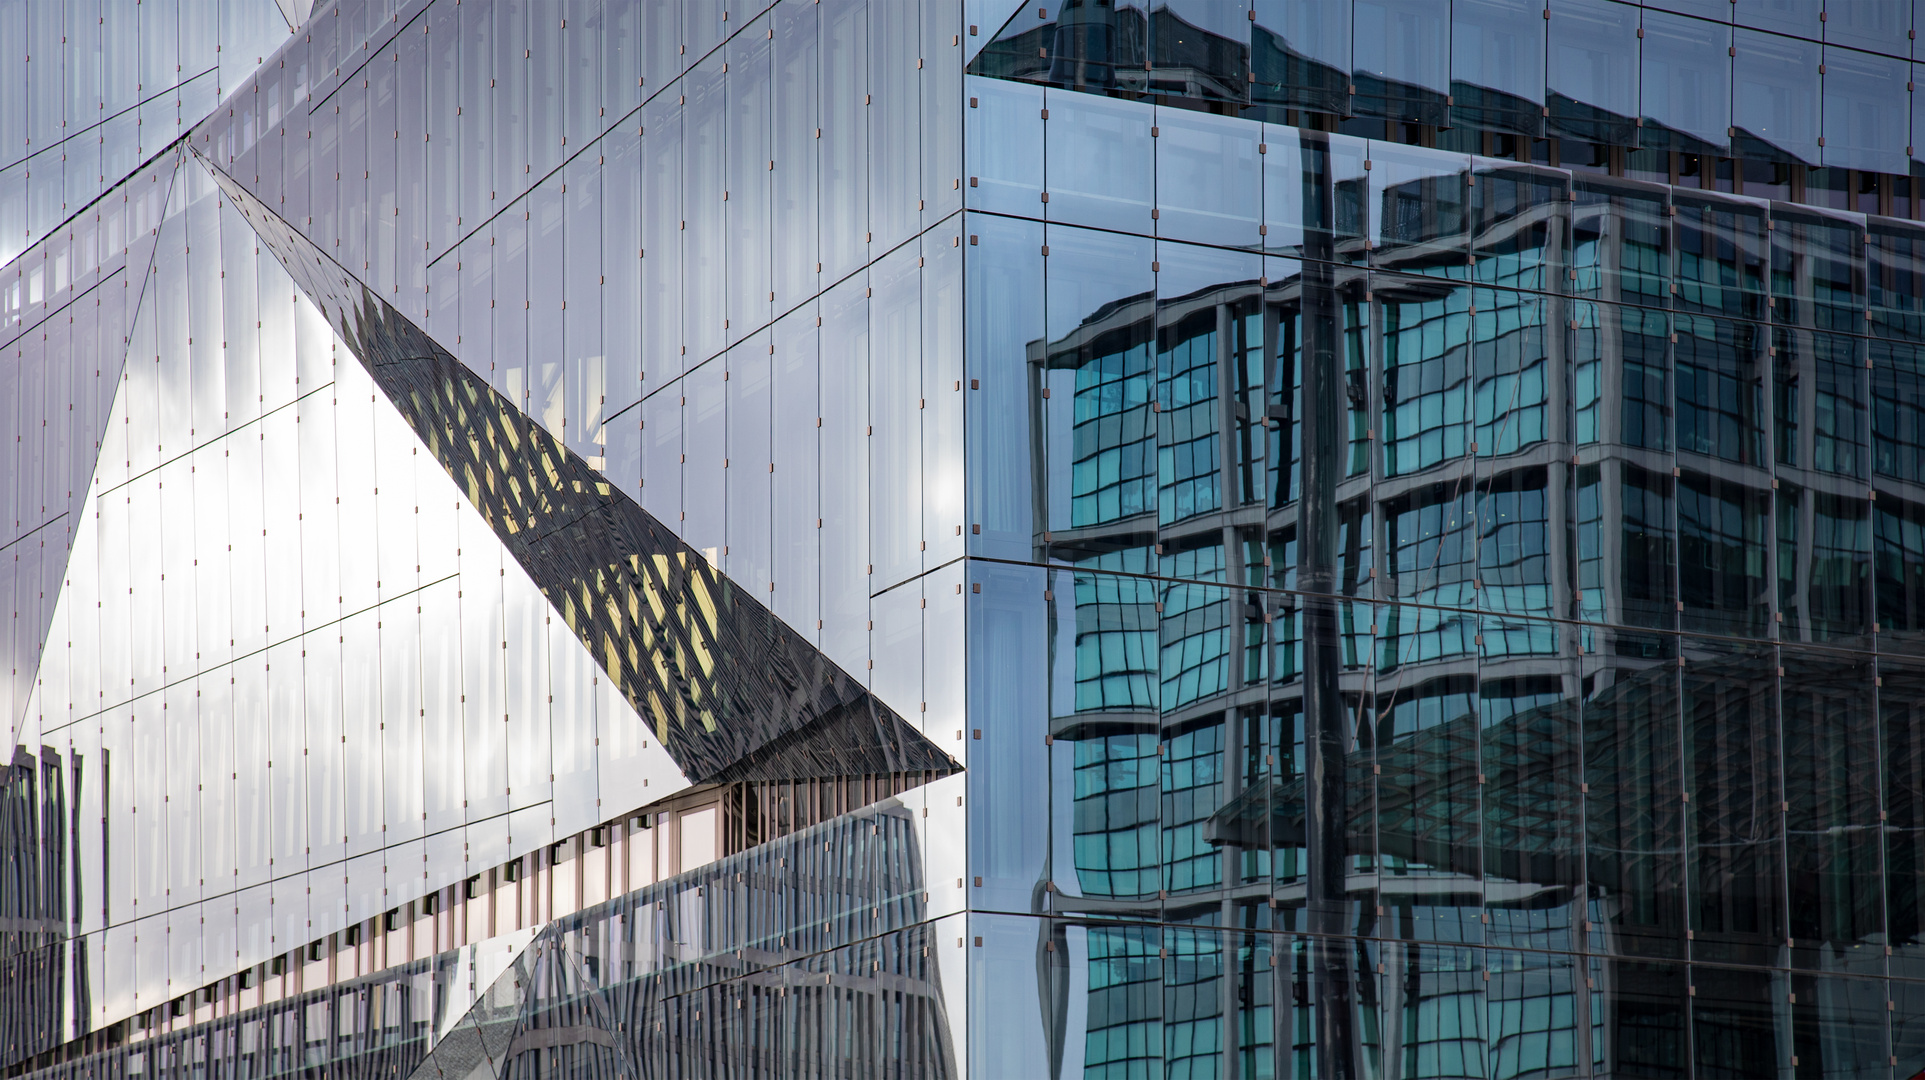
{"type": "Point", "coordinates": [934, 538]}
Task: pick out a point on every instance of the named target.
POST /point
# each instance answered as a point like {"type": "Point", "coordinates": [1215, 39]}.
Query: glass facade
{"type": "Point", "coordinates": [1165, 538]}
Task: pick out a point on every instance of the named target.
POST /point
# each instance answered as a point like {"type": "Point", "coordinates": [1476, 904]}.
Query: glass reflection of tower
{"type": "Point", "coordinates": [1518, 832]}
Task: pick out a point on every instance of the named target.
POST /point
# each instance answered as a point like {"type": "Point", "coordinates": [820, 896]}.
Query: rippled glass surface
{"type": "Point", "coordinates": [1488, 614]}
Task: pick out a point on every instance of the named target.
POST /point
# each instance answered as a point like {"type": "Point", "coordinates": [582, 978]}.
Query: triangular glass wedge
{"type": "Point", "coordinates": [731, 691]}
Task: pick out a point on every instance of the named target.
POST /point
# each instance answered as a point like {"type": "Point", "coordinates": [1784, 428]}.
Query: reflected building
{"type": "Point", "coordinates": [1129, 538]}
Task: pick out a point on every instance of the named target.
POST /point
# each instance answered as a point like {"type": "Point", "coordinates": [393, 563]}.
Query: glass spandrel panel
{"type": "Point", "coordinates": [1100, 162]}
{"type": "Point", "coordinates": [444, 772]}
{"type": "Point", "coordinates": [364, 763]}
{"type": "Point", "coordinates": [1005, 278]}
{"type": "Point", "coordinates": [1209, 179]}
{"type": "Point", "coordinates": [897, 397]}
{"type": "Point", "coordinates": [1738, 1021]}
{"type": "Point", "coordinates": [846, 420]}
{"type": "Point", "coordinates": [1426, 373]}
{"type": "Point", "coordinates": [1686, 84]}
{"type": "Point", "coordinates": [1200, 294]}
{"type": "Point", "coordinates": [1009, 783]}
{"type": "Point", "coordinates": [1831, 739]}
{"type": "Point", "coordinates": [662, 215]}
{"type": "Point", "coordinates": [481, 704]}
{"type": "Point", "coordinates": [287, 776]}
{"type": "Point", "coordinates": [942, 306]}
{"type": "Point", "coordinates": [705, 121]}
{"type": "Point", "coordinates": [146, 626]}
{"type": "Point", "coordinates": [1314, 193]}
{"type": "Point", "coordinates": [1003, 146]}
{"type": "Point", "coordinates": [529, 693]}
{"type": "Point", "coordinates": [1204, 42]}
{"type": "Point", "coordinates": [662, 452]}
{"type": "Point", "coordinates": [894, 100]}
{"type": "Point", "coordinates": [401, 724]}
{"type": "Point", "coordinates": [1099, 356]}
{"type": "Point", "coordinates": [1400, 60]}
{"type": "Point", "coordinates": [1510, 362]}
{"type": "Point", "coordinates": [1733, 837]}
{"type": "Point", "coordinates": [1632, 778]}
{"type": "Point", "coordinates": [1517, 232]}
{"type": "Point", "coordinates": [574, 728]}
{"type": "Point", "coordinates": [1497, 65]}
{"type": "Point", "coordinates": [1775, 95]}
{"type": "Point", "coordinates": [794, 148]}
{"type": "Point", "coordinates": [1419, 210]}
{"type": "Point", "coordinates": [1723, 552]}
{"type": "Point", "coordinates": [704, 393]}
{"type": "Point", "coordinates": [749, 542]}
{"type": "Point", "coordinates": [180, 720]}
{"type": "Point", "coordinates": [750, 87]}
{"type": "Point", "coordinates": [211, 575]}
{"type": "Point", "coordinates": [1867, 118]}
{"type": "Point", "coordinates": [844, 162]}
{"type": "Point", "coordinates": [1621, 242]}
{"type": "Point", "coordinates": [1423, 730]}
{"type": "Point", "coordinates": [1626, 554]}
{"type": "Point", "coordinates": [1721, 251]}
{"type": "Point", "coordinates": [794, 451]}
{"type": "Point", "coordinates": [1300, 54]}
{"type": "Point", "coordinates": [324, 756]}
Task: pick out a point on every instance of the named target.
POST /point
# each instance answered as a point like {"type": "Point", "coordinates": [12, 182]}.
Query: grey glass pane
{"type": "Point", "coordinates": [1100, 163]}
{"type": "Point", "coordinates": [1209, 181]}
{"type": "Point", "coordinates": [1867, 111]}
{"type": "Point", "coordinates": [1592, 72]}
{"type": "Point", "coordinates": [1774, 96]}
{"type": "Point", "coordinates": [1497, 64]}
{"type": "Point", "coordinates": [1879, 25]}
{"type": "Point", "coordinates": [1401, 60]}
{"type": "Point", "coordinates": [1003, 146]}
{"type": "Point", "coordinates": [1799, 17]}
{"type": "Point", "coordinates": [1686, 84]}
{"type": "Point", "coordinates": [1300, 54]}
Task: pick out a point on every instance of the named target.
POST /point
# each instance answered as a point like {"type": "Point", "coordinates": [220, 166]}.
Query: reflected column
{"type": "Point", "coordinates": [1324, 736]}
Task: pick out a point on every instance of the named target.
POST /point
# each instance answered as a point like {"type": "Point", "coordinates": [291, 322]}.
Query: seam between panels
{"type": "Point", "coordinates": [30, 533]}
{"type": "Point", "coordinates": [222, 437]}
{"type": "Point", "coordinates": [256, 652]}
{"type": "Point", "coordinates": [586, 146]}
{"type": "Point", "coordinates": [183, 138]}
{"type": "Point", "coordinates": [343, 861]}
{"type": "Point", "coordinates": [28, 328]}
{"type": "Point", "coordinates": [799, 305]}
{"type": "Point", "coordinates": [19, 723]}
{"type": "Point", "coordinates": [1387, 602]}
{"type": "Point", "coordinates": [918, 576]}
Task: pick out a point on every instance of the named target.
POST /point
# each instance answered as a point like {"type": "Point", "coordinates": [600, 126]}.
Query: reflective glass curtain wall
{"type": "Point", "coordinates": [1463, 598]}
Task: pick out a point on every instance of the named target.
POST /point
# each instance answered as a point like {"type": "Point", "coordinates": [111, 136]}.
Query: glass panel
{"type": "Point", "coordinates": [1805, 18]}
{"type": "Point", "coordinates": [1867, 110]}
{"type": "Point", "coordinates": [1401, 60]}
{"type": "Point", "coordinates": [1686, 85]}
{"type": "Point", "coordinates": [1101, 166]}
{"type": "Point", "coordinates": [1733, 832]}
{"type": "Point", "coordinates": [1300, 54]}
{"type": "Point", "coordinates": [1497, 65]}
{"type": "Point", "coordinates": [1209, 181]}
{"type": "Point", "coordinates": [1775, 91]}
